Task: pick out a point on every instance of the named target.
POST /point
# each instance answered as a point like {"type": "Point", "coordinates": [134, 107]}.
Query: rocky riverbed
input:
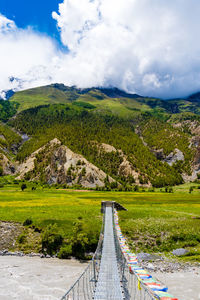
{"type": "Point", "coordinates": [182, 279]}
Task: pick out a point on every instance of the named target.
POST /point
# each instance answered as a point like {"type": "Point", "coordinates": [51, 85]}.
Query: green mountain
{"type": "Point", "coordinates": [105, 100]}
{"type": "Point", "coordinates": [111, 138]}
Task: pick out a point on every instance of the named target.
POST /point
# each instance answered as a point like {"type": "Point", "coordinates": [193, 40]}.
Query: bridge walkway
{"type": "Point", "coordinates": [108, 285]}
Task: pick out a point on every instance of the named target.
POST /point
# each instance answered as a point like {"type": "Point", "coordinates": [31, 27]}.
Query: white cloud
{"type": "Point", "coordinates": [24, 55]}
{"type": "Point", "coordinates": [150, 47]}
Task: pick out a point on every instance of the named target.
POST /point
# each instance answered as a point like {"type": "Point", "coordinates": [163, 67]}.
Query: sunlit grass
{"type": "Point", "coordinates": [154, 222]}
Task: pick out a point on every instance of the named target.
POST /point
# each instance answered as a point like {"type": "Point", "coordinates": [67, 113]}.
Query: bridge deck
{"type": "Point", "coordinates": [108, 285]}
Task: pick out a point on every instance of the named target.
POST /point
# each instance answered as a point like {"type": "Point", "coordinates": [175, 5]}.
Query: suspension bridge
{"type": "Point", "coordinates": [114, 272]}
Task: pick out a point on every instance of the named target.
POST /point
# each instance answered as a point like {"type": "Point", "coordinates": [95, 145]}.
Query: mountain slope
{"type": "Point", "coordinates": [106, 100]}
{"type": "Point", "coordinates": [83, 131]}
{"type": "Point", "coordinates": [135, 140]}
{"type": "Point", "coordinates": [56, 163]}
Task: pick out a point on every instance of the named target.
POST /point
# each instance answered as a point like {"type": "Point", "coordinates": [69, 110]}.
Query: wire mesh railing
{"type": "Point", "coordinates": [84, 287]}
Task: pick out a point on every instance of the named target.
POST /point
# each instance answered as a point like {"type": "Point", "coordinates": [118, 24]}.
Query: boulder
{"type": "Point", "coordinates": [180, 252]}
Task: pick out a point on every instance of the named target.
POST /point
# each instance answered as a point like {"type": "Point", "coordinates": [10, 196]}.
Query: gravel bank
{"type": "Point", "coordinates": [183, 280]}
{"type": "Point", "coordinates": [185, 285]}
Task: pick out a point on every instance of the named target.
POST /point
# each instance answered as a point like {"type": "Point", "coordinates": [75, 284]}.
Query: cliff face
{"type": "Point", "coordinates": [7, 167]}
{"type": "Point", "coordinates": [193, 127]}
{"type": "Point", "coordinates": [68, 167]}
{"type": "Point", "coordinates": [125, 169]}
{"type": "Point", "coordinates": [56, 163]}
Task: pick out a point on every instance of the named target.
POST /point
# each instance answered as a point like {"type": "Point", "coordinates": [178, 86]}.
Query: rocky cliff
{"type": "Point", "coordinates": [56, 163]}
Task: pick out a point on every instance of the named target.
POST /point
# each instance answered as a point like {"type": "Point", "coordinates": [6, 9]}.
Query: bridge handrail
{"type": "Point", "coordinates": [92, 265]}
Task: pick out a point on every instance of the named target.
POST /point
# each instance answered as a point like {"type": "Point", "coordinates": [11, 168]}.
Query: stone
{"type": "Point", "coordinates": [151, 267]}
{"type": "Point", "coordinates": [147, 257]}
{"type": "Point", "coordinates": [173, 157]}
{"type": "Point", "coordinates": [180, 252]}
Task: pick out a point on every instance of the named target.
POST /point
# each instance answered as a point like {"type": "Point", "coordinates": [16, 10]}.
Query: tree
{"type": "Point", "coordinates": [83, 172]}
{"type": "Point", "coordinates": [191, 189]}
{"type": "Point", "coordinates": [23, 187]}
{"type": "Point", "coordinates": [51, 239]}
{"type": "Point", "coordinates": [136, 188]}
{"type": "Point", "coordinates": [1, 171]}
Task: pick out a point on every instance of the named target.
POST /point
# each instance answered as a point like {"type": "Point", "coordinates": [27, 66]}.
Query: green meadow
{"type": "Point", "coordinates": [155, 222]}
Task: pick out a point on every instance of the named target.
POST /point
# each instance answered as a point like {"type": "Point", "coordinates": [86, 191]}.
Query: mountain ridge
{"type": "Point", "coordinates": [59, 93]}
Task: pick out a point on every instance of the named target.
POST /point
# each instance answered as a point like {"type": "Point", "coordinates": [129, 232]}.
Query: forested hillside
{"type": "Point", "coordinates": [134, 140]}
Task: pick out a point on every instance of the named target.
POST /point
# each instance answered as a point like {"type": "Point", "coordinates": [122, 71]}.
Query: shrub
{"type": "Point", "coordinates": [191, 189]}
{"type": "Point", "coordinates": [23, 187]}
{"type": "Point", "coordinates": [113, 185]}
{"type": "Point", "coordinates": [1, 171]}
{"type": "Point", "coordinates": [79, 241]}
{"type": "Point", "coordinates": [65, 252]}
{"type": "Point", "coordinates": [51, 239]}
{"type": "Point", "coordinates": [21, 238]}
{"type": "Point", "coordinates": [27, 222]}
{"type": "Point", "coordinates": [83, 172]}
{"type": "Point", "coordinates": [27, 176]}
{"type": "Point", "coordinates": [136, 188]}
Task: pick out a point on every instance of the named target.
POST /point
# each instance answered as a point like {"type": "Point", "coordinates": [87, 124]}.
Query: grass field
{"type": "Point", "coordinates": [154, 222]}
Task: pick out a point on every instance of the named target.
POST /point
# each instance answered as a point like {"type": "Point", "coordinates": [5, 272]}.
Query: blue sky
{"type": "Point", "coordinates": [147, 47]}
{"type": "Point", "coordinates": [37, 13]}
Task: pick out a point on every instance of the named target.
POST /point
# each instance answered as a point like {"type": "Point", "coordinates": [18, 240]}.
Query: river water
{"type": "Point", "coordinates": [26, 278]}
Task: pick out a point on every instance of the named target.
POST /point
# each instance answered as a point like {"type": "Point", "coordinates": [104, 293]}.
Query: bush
{"type": "Point", "coordinates": [79, 241]}
{"type": "Point", "coordinates": [1, 171]}
{"type": "Point", "coordinates": [113, 185]}
{"type": "Point", "coordinates": [21, 238]}
{"type": "Point", "coordinates": [51, 239]}
{"type": "Point", "coordinates": [191, 189]}
{"type": "Point", "coordinates": [23, 187]}
{"type": "Point", "coordinates": [65, 252]}
{"type": "Point", "coordinates": [136, 188]}
{"type": "Point", "coordinates": [27, 222]}
{"type": "Point", "coordinates": [83, 172]}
